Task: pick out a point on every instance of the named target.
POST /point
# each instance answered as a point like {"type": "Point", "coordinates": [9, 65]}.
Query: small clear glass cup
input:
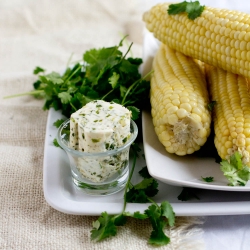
{"type": "Point", "coordinates": [111, 167]}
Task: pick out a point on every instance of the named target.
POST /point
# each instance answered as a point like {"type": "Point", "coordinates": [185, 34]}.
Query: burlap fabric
{"type": "Point", "coordinates": [45, 33]}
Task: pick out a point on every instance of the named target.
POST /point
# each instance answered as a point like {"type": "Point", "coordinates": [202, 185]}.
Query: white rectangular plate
{"type": "Point", "coordinates": [61, 194]}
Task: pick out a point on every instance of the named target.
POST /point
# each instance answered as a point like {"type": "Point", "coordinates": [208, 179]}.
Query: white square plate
{"type": "Point", "coordinates": [169, 168]}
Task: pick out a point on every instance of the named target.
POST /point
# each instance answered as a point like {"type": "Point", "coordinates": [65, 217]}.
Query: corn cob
{"type": "Point", "coordinates": [179, 100]}
{"type": "Point", "coordinates": [231, 113]}
{"type": "Point", "coordinates": [218, 37]}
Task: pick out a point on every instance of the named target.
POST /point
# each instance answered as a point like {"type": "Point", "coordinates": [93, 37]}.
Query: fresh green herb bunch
{"type": "Point", "coordinates": [103, 74]}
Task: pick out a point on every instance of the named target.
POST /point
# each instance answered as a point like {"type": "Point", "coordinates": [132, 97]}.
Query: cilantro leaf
{"type": "Point", "coordinates": [135, 61]}
{"type": "Point", "coordinates": [99, 56]}
{"type": "Point", "coordinates": [159, 217]}
{"type": "Point", "coordinates": [38, 70]}
{"type": "Point", "coordinates": [136, 196]}
{"type": "Point", "coordinates": [152, 190]}
{"type": "Point", "coordinates": [104, 227]}
{"type": "Point", "coordinates": [193, 9]}
{"type": "Point", "coordinates": [144, 184]}
{"type": "Point", "coordinates": [138, 215]}
{"type": "Point", "coordinates": [153, 212]}
{"type": "Point", "coordinates": [235, 160]}
{"type": "Point", "coordinates": [113, 80]}
{"type": "Point", "coordinates": [135, 112]}
{"type": "Point", "coordinates": [208, 179]}
{"type": "Point", "coordinates": [128, 68]}
{"type": "Point", "coordinates": [157, 236]}
{"type": "Point", "coordinates": [53, 77]}
{"type": "Point", "coordinates": [120, 220]}
{"type": "Point", "coordinates": [100, 61]}
{"type": "Point", "coordinates": [56, 144]}
{"type": "Point", "coordinates": [234, 170]}
{"type": "Point", "coordinates": [141, 191]}
{"type": "Point", "coordinates": [37, 84]}
{"type": "Point", "coordinates": [58, 123]}
{"type": "Point", "coordinates": [123, 91]}
{"type": "Point", "coordinates": [244, 174]}
{"type": "Point", "coordinates": [168, 212]}
{"type": "Point", "coordinates": [177, 8]}
{"type": "Point", "coordinates": [144, 172]}
{"type": "Point", "coordinates": [65, 97]}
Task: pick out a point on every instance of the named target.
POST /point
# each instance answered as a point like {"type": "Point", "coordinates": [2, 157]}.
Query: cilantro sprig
{"type": "Point", "coordinates": [193, 9]}
{"type": "Point", "coordinates": [159, 215]}
{"type": "Point", "coordinates": [58, 122]}
{"type": "Point", "coordinates": [235, 171]}
{"type": "Point", "coordinates": [208, 178]}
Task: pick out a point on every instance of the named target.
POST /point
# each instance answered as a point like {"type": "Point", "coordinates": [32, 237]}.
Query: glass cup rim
{"type": "Point", "coordinates": [99, 154]}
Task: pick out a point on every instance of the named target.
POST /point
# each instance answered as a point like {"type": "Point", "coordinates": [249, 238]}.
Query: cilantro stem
{"type": "Point", "coordinates": [35, 92]}
{"type": "Point", "coordinates": [152, 201]}
{"type": "Point", "coordinates": [67, 79]}
{"type": "Point", "coordinates": [72, 106]}
{"type": "Point", "coordinates": [127, 51]}
{"type": "Point", "coordinates": [120, 44]}
{"type": "Point", "coordinates": [126, 42]}
{"type": "Point", "coordinates": [107, 94]}
{"type": "Point", "coordinates": [55, 91]}
{"type": "Point", "coordinates": [129, 181]}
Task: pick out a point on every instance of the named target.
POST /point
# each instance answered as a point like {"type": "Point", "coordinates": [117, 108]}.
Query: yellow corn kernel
{"type": "Point", "coordinates": [182, 128]}
{"type": "Point", "coordinates": [230, 91]}
{"type": "Point", "coordinates": [219, 38]}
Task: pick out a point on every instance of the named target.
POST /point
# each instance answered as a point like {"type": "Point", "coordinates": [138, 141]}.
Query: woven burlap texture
{"type": "Point", "coordinates": [46, 33]}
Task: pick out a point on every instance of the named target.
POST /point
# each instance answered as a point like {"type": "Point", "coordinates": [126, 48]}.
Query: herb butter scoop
{"type": "Point", "coordinates": [98, 127]}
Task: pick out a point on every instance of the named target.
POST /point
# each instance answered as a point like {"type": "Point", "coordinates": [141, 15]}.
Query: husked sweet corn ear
{"type": "Point", "coordinates": [218, 37]}
{"type": "Point", "coordinates": [179, 100]}
{"type": "Point", "coordinates": [231, 113]}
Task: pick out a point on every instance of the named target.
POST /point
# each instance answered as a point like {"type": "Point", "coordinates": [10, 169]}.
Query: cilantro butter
{"type": "Point", "coordinates": [98, 127]}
